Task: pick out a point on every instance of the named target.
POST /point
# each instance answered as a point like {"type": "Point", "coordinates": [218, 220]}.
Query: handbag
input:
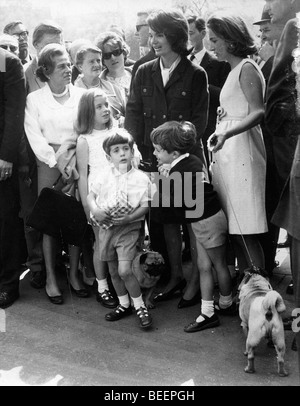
{"type": "Point", "coordinates": [59, 215]}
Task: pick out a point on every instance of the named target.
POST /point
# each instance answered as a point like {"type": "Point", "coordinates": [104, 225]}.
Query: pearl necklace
{"type": "Point", "coordinates": [61, 94]}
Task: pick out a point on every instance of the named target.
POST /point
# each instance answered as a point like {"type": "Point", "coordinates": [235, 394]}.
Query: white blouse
{"type": "Point", "coordinates": [49, 122]}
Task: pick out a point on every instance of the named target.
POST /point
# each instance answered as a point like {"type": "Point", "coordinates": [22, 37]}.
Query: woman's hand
{"type": "Point", "coordinates": [216, 141]}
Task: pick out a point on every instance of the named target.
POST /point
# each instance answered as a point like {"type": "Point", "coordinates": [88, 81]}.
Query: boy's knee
{"type": "Point", "coordinates": [125, 270]}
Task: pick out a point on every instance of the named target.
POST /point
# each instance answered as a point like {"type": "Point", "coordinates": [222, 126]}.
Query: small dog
{"type": "Point", "coordinates": [148, 266]}
{"type": "Point", "coordinates": [260, 311]}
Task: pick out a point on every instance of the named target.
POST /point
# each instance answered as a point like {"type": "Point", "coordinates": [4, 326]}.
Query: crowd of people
{"type": "Point", "coordinates": [110, 129]}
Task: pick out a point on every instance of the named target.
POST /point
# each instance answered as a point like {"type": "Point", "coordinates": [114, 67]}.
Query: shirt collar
{"type": "Point", "coordinates": [199, 55]}
{"type": "Point", "coordinates": [180, 158]}
{"type": "Point", "coordinates": [167, 72]}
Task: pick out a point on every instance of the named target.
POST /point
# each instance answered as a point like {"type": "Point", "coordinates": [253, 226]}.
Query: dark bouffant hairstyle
{"type": "Point", "coordinates": [175, 136]}
{"type": "Point", "coordinates": [174, 26]}
{"type": "Point", "coordinates": [121, 136]}
{"type": "Point", "coordinates": [234, 31]}
{"type": "Point", "coordinates": [46, 64]}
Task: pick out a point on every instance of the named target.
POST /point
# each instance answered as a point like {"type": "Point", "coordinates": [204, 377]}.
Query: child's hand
{"type": "Point", "coordinates": [164, 169]}
{"type": "Point", "coordinates": [121, 221]}
{"type": "Point", "coordinates": [101, 216]}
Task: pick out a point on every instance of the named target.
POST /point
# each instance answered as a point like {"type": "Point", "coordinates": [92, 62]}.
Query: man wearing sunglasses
{"type": "Point", "coordinates": [18, 30]}
{"type": "Point", "coordinates": [142, 34]}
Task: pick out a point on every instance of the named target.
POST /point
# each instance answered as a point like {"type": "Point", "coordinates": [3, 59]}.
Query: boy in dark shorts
{"type": "Point", "coordinates": [207, 227]}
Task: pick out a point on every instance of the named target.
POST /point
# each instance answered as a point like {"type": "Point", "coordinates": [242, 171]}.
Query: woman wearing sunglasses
{"type": "Point", "coordinates": [114, 54]}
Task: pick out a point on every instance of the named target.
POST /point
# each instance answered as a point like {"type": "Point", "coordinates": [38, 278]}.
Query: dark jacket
{"type": "Point", "coordinates": [147, 58]}
{"type": "Point", "coordinates": [217, 72]}
{"type": "Point", "coordinates": [281, 118]}
{"type": "Point", "coordinates": [185, 174]}
{"type": "Point", "coordinates": [12, 105]}
{"type": "Point", "coordinates": [185, 97]}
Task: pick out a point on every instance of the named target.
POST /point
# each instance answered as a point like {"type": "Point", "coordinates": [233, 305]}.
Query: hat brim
{"type": "Point", "coordinates": [267, 20]}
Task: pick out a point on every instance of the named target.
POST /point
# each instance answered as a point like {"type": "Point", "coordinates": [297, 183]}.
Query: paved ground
{"type": "Point", "coordinates": [72, 345]}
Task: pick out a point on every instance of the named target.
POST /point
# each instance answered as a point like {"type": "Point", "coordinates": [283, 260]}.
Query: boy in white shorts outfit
{"type": "Point", "coordinates": [119, 200]}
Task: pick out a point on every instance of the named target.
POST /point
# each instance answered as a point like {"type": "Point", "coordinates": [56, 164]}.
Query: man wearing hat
{"type": "Point", "coordinates": [270, 35]}
{"type": "Point", "coordinates": [217, 72]}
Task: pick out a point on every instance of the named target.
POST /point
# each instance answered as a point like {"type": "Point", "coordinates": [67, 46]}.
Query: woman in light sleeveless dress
{"type": "Point", "coordinates": [238, 154]}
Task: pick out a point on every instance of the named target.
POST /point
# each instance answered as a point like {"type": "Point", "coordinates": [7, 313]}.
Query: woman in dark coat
{"type": "Point", "coordinates": [168, 88]}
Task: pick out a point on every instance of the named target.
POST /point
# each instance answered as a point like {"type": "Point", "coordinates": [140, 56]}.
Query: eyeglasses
{"type": "Point", "coordinates": [23, 34]}
{"type": "Point", "coordinates": [138, 27]}
{"type": "Point", "coordinates": [116, 52]}
{"type": "Point", "coordinates": [10, 48]}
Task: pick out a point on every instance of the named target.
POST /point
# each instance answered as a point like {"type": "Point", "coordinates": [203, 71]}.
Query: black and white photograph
{"type": "Point", "coordinates": [149, 195]}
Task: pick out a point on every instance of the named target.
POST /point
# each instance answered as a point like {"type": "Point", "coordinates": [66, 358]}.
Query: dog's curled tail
{"type": "Point", "coordinates": [273, 302]}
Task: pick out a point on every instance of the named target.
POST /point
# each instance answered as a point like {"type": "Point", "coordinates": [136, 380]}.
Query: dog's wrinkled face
{"type": "Point", "coordinates": [254, 280]}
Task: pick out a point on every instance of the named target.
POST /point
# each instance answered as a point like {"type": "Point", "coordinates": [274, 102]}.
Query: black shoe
{"type": "Point", "coordinates": [290, 288]}
{"type": "Point", "coordinates": [118, 313]}
{"type": "Point", "coordinates": [168, 295]}
{"type": "Point", "coordinates": [82, 293]}
{"type": "Point", "coordinates": [107, 299]}
{"type": "Point", "coordinates": [208, 322]}
{"type": "Point", "coordinates": [38, 279]}
{"type": "Point", "coordinates": [145, 318]}
{"type": "Point", "coordinates": [187, 303]}
{"type": "Point", "coordinates": [57, 300]}
{"type": "Point", "coordinates": [232, 310]}
{"type": "Point", "coordinates": [8, 298]}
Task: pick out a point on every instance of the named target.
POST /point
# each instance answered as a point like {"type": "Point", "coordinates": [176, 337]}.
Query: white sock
{"type": "Point", "coordinates": [124, 301]}
{"type": "Point", "coordinates": [225, 301]}
{"type": "Point", "coordinates": [102, 285]}
{"type": "Point", "coordinates": [207, 308]}
{"type": "Point", "coordinates": [138, 302]}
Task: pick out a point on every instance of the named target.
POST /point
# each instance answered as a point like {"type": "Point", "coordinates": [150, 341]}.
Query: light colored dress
{"type": "Point", "coordinates": [97, 160]}
{"type": "Point", "coordinates": [239, 168]}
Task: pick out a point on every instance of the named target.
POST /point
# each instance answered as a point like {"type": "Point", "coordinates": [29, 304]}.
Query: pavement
{"type": "Point", "coordinates": [72, 345]}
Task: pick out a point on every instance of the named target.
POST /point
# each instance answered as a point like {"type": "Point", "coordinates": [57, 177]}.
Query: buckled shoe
{"type": "Point", "coordinates": [118, 313]}
{"type": "Point", "coordinates": [145, 318]}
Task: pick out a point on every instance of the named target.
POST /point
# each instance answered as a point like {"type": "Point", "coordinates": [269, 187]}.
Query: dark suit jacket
{"type": "Point", "coordinates": [12, 106]}
{"type": "Point", "coordinates": [32, 81]}
{"type": "Point", "coordinates": [150, 104]}
{"type": "Point", "coordinates": [185, 171]}
{"type": "Point", "coordinates": [217, 73]}
{"type": "Point", "coordinates": [148, 57]}
{"type": "Point", "coordinates": [281, 119]}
